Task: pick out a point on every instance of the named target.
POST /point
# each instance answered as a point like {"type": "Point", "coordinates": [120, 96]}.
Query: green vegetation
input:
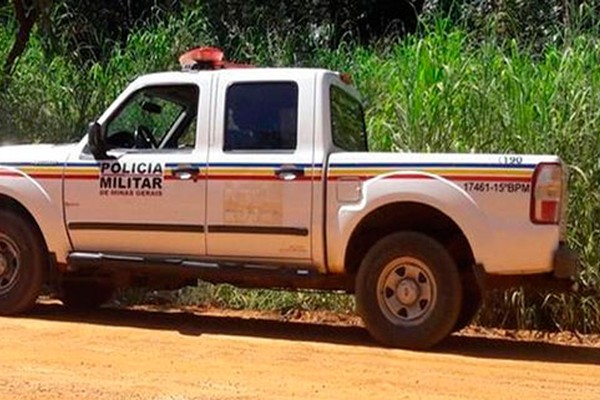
{"type": "Point", "coordinates": [453, 86]}
{"type": "Point", "coordinates": [261, 299]}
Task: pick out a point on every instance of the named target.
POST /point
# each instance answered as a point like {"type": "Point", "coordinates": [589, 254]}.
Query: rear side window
{"type": "Point", "coordinates": [347, 121]}
{"type": "Point", "coordinates": [261, 116]}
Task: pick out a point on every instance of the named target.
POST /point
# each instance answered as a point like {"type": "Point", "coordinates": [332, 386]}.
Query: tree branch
{"type": "Point", "coordinates": [26, 16]}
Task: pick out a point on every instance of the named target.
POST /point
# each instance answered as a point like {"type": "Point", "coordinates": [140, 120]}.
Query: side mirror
{"type": "Point", "coordinates": [96, 141]}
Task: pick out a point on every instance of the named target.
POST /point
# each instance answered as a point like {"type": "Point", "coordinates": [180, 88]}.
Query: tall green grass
{"type": "Point", "coordinates": [443, 90]}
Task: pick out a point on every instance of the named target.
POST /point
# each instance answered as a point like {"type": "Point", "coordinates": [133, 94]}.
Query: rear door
{"type": "Point", "coordinates": [260, 173]}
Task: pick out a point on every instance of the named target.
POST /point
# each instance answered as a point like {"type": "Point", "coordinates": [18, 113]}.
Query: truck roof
{"type": "Point", "coordinates": [259, 73]}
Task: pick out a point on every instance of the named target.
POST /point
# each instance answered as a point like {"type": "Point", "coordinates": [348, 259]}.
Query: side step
{"type": "Point", "coordinates": [214, 271]}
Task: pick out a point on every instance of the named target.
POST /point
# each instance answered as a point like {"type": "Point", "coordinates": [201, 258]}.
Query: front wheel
{"type": "Point", "coordinates": [22, 263]}
{"type": "Point", "coordinates": [408, 291]}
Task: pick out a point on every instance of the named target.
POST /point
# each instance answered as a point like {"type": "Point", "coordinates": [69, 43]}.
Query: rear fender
{"type": "Point", "coordinates": [398, 187]}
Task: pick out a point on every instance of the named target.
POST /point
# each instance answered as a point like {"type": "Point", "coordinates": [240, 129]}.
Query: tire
{"type": "Point", "coordinates": [23, 261]}
{"type": "Point", "coordinates": [85, 295]}
{"type": "Point", "coordinates": [408, 291]}
{"type": "Point", "coordinates": [470, 305]}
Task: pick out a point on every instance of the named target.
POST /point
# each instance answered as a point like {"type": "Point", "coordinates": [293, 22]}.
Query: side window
{"type": "Point", "coordinates": [156, 117]}
{"type": "Point", "coordinates": [261, 116]}
{"type": "Point", "coordinates": [347, 121]}
{"type": "Point", "coordinates": [187, 140]}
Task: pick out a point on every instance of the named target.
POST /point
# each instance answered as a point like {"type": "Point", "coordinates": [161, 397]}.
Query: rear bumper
{"type": "Point", "coordinates": [565, 267]}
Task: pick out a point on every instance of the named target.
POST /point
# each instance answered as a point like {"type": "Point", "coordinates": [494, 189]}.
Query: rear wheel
{"type": "Point", "coordinates": [85, 295]}
{"type": "Point", "coordinates": [470, 305]}
{"type": "Point", "coordinates": [22, 263]}
{"type": "Point", "coordinates": [408, 291]}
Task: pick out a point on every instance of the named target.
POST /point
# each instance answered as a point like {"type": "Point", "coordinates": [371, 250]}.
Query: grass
{"type": "Point", "coordinates": [263, 299]}
{"type": "Point", "coordinates": [231, 297]}
{"type": "Point", "coordinates": [444, 90]}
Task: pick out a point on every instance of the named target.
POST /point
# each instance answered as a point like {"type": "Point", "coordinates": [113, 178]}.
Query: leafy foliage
{"type": "Point", "coordinates": [517, 79]}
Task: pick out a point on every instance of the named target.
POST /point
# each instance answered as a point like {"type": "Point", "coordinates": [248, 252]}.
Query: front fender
{"type": "Point", "coordinates": [397, 187]}
{"type": "Point", "coordinates": [42, 198]}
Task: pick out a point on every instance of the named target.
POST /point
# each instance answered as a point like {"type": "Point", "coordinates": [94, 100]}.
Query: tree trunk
{"type": "Point", "coordinates": [26, 16]}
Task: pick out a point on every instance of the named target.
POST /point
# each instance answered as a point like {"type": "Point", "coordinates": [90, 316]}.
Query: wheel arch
{"type": "Point", "coordinates": [48, 228]}
{"type": "Point", "coordinates": [11, 204]}
{"type": "Point", "coordinates": [408, 216]}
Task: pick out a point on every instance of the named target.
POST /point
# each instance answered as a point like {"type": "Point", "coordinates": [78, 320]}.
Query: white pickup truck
{"type": "Point", "coordinates": [262, 178]}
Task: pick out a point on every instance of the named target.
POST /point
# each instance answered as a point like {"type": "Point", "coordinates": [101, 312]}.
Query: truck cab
{"type": "Point", "coordinates": [220, 164]}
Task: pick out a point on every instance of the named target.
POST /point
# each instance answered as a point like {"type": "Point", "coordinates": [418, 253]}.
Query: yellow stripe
{"type": "Point", "coordinates": [437, 171]}
{"type": "Point", "coordinates": [41, 169]}
{"type": "Point", "coordinates": [479, 172]}
{"type": "Point", "coordinates": [241, 171]}
{"type": "Point", "coordinates": [83, 170]}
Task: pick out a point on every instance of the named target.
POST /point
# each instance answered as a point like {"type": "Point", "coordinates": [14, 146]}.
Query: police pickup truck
{"type": "Point", "coordinates": [262, 178]}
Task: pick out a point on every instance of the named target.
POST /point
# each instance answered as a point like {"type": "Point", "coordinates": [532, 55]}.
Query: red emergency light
{"type": "Point", "coordinates": [206, 58]}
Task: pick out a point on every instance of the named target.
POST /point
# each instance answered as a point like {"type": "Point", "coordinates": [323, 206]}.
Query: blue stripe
{"type": "Point", "coordinates": [193, 165]}
{"type": "Point", "coordinates": [261, 165]}
{"type": "Point", "coordinates": [31, 164]}
{"type": "Point", "coordinates": [82, 164]}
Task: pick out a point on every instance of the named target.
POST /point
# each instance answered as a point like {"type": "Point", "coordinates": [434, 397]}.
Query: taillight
{"type": "Point", "coordinates": [547, 193]}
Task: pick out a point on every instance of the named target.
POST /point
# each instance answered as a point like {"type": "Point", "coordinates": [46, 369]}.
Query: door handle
{"type": "Point", "coordinates": [186, 172]}
{"type": "Point", "coordinates": [289, 172]}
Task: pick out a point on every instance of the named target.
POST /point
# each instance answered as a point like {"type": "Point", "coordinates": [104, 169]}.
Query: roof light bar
{"type": "Point", "coordinates": [206, 58]}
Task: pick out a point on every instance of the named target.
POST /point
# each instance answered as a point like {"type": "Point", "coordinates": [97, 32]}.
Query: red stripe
{"type": "Point", "coordinates": [409, 176]}
{"type": "Point", "coordinates": [82, 176]}
{"type": "Point", "coordinates": [60, 176]}
{"type": "Point", "coordinates": [131, 175]}
{"type": "Point", "coordinates": [450, 177]}
{"type": "Point", "coordinates": [487, 178]}
{"type": "Point", "coordinates": [367, 177]}
{"type": "Point", "coordinates": [45, 176]}
{"type": "Point", "coordinates": [86, 177]}
{"type": "Point", "coordinates": [242, 178]}
{"type": "Point", "coordinates": [6, 173]}
{"type": "Point", "coordinates": [254, 178]}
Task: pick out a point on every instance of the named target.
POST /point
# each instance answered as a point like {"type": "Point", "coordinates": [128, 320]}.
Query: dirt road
{"type": "Point", "coordinates": [125, 354]}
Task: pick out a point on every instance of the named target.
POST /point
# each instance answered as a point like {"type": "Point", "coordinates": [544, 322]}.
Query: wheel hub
{"type": "Point", "coordinates": [408, 291]}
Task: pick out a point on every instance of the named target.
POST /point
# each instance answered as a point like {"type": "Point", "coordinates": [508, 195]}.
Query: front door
{"type": "Point", "coordinates": [260, 171]}
{"type": "Point", "coordinates": [148, 197]}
